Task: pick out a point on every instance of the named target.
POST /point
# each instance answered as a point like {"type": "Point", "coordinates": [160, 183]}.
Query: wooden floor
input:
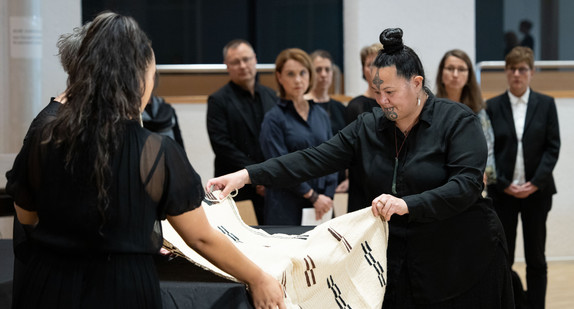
{"type": "Point", "coordinates": [560, 283]}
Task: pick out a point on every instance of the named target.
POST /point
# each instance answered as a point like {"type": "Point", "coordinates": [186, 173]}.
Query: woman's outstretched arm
{"type": "Point", "coordinates": [195, 230]}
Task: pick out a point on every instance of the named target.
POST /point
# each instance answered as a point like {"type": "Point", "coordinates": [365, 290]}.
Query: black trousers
{"type": "Point", "coordinates": [533, 212]}
{"type": "Point", "coordinates": [492, 291]}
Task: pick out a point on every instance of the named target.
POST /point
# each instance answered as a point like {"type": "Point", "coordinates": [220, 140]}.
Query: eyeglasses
{"type": "Point", "coordinates": [521, 70]}
{"type": "Point", "coordinates": [237, 62]}
{"type": "Point", "coordinates": [459, 69]}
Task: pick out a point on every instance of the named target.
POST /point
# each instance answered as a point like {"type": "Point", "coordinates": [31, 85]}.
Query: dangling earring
{"type": "Point", "coordinates": [141, 120]}
{"type": "Point", "coordinates": [418, 101]}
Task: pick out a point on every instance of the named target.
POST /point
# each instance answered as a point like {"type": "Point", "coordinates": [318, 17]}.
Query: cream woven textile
{"type": "Point", "coordinates": [339, 264]}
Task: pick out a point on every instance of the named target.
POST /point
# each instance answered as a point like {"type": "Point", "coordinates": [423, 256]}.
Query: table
{"type": "Point", "coordinates": [6, 273]}
{"type": "Point", "coordinates": [183, 284]}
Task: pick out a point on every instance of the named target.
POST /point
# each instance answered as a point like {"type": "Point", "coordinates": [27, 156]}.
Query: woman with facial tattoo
{"type": "Point", "coordinates": [422, 159]}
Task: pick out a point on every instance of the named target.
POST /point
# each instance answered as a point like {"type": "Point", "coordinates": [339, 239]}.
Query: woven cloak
{"type": "Point", "coordinates": [339, 264]}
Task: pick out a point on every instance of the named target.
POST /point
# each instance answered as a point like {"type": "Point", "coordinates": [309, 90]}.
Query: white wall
{"type": "Point", "coordinates": [4, 45]}
{"type": "Point", "coordinates": [430, 28]}
{"type": "Point", "coordinates": [60, 16]}
{"type": "Point", "coordinates": [24, 67]}
{"type": "Point", "coordinates": [191, 118]}
{"type": "Point", "coordinates": [20, 101]}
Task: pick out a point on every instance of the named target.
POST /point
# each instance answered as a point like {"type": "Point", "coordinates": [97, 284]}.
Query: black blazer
{"type": "Point", "coordinates": [233, 129]}
{"type": "Point", "coordinates": [540, 140]}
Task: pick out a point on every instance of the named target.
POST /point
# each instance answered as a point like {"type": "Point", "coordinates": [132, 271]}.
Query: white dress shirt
{"type": "Point", "coordinates": [519, 106]}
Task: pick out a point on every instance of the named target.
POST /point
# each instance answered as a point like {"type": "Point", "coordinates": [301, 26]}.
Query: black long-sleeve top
{"type": "Point", "coordinates": [451, 232]}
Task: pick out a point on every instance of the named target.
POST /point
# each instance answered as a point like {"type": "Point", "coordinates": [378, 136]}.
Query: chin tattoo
{"type": "Point", "coordinates": [390, 113]}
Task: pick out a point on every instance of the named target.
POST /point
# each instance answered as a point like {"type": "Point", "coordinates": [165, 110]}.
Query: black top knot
{"type": "Point", "coordinates": [392, 40]}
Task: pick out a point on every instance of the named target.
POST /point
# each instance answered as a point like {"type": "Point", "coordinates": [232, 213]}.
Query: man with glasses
{"type": "Point", "coordinates": [526, 147]}
{"type": "Point", "coordinates": [234, 116]}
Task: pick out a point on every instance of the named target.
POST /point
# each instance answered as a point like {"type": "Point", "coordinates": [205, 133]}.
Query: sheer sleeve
{"type": "Point", "coordinates": [23, 179]}
{"type": "Point", "coordinates": [490, 169]}
{"type": "Point", "coordinates": [17, 184]}
{"type": "Point", "coordinates": [169, 178]}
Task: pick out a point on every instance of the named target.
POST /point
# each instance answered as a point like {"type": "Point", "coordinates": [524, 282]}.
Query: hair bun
{"type": "Point", "coordinates": [392, 40]}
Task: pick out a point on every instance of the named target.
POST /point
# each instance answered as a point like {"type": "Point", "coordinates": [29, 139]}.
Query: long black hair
{"type": "Point", "coordinates": [105, 88]}
{"type": "Point", "coordinates": [394, 52]}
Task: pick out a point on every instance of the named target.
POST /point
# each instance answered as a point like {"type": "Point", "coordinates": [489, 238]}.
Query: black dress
{"type": "Point", "coordinates": [81, 260]}
{"type": "Point", "coordinates": [20, 241]}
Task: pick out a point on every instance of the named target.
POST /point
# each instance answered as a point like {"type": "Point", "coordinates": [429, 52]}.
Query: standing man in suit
{"type": "Point", "coordinates": [526, 147]}
{"type": "Point", "coordinates": [234, 116]}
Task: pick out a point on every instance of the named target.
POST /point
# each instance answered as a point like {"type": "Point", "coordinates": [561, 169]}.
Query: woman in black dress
{"type": "Point", "coordinates": [422, 159]}
{"type": "Point", "coordinates": [94, 185]}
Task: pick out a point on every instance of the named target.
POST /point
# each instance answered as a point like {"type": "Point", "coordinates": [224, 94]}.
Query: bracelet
{"type": "Point", "coordinates": [314, 196]}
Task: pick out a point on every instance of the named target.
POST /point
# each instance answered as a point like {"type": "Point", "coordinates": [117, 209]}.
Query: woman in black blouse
{"type": "Point", "coordinates": [323, 66]}
{"type": "Point", "coordinates": [93, 186]}
{"type": "Point", "coordinates": [422, 159]}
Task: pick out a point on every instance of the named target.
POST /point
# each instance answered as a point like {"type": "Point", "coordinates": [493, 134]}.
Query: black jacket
{"type": "Point", "coordinates": [540, 140]}
{"type": "Point", "coordinates": [232, 127]}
